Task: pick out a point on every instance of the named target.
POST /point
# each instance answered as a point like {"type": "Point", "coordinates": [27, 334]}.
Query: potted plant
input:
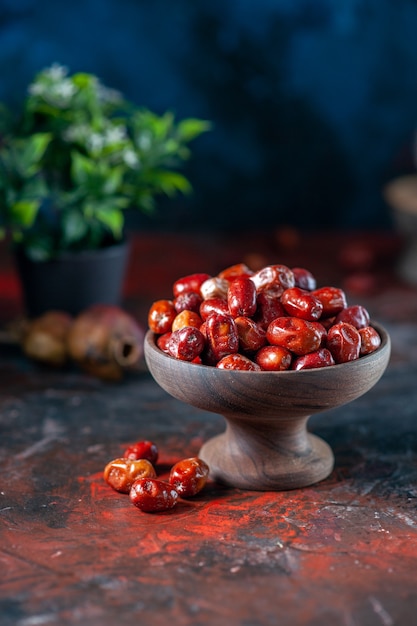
{"type": "Point", "coordinates": [72, 161]}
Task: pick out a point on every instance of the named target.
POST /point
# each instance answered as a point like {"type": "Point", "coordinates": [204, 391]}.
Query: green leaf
{"type": "Point", "coordinates": [82, 168]}
{"type": "Point", "coordinates": [191, 128]}
{"type": "Point", "coordinates": [111, 218]}
{"type": "Point", "coordinates": [33, 150]}
{"type": "Point", "coordinates": [24, 212]}
{"type": "Point", "coordinates": [170, 182]}
{"type": "Point", "coordinates": [83, 80]}
{"type": "Point", "coordinates": [113, 180]}
{"type": "Point", "coordinates": [160, 126]}
{"type": "Point", "coordinates": [74, 226]}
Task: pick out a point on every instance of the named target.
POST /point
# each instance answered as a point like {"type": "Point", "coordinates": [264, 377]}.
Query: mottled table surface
{"type": "Point", "coordinates": [342, 552]}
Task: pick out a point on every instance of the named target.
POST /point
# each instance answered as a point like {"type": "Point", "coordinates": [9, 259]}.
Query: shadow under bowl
{"type": "Point", "coordinates": [266, 444]}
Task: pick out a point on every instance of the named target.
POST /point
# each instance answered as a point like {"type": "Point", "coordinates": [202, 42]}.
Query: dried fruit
{"type": "Point", "coordinates": [344, 342]}
{"type": "Point", "coordinates": [237, 362]}
{"type": "Point", "coordinates": [320, 358]}
{"type": "Point", "coordinates": [189, 476]}
{"type": "Point", "coordinates": [122, 473]}
{"type": "Point", "coordinates": [142, 450]}
{"type": "Point", "coordinates": [106, 341]}
{"type": "Point", "coordinates": [297, 335]}
{"type": "Point", "coordinates": [370, 340]}
{"type": "Point", "coordinates": [152, 495]}
{"type": "Point", "coordinates": [304, 278]}
{"type": "Point", "coordinates": [45, 338]}
{"type": "Point", "coordinates": [188, 301]}
{"type": "Point", "coordinates": [137, 477]}
{"type": "Point", "coordinates": [301, 303]}
{"type": "Point", "coordinates": [161, 315]}
{"type": "Point", "coordinates": [192, 282]}
{"type": "Point", "coordinates": [186, 318]}
{"type": "Point", "coordinates": [268, 308]}
{"type": "Point", "coordinates": [273, 279]}
{"type": "Point", "coordinates": [251, 335]}
{"type": "Point", "coordinates": [222, 338]}
{"type": "Point", "coordinates": [273, 358]}
{"type": "Point", "coordinates": [333, 300]}
{"type": "Point", "coordinates": [241, 297]}
{"type": "Point", "coordinates": [214, 288]}
{"type": "Point", "coordinates": [213, 305]}
{"type": "Point", "coordinates": [356, 315]}
{"type": "Point", "coordinates": [232, 272]}
{"type": "Point", "coordinates": [186, 343]}
{"type": "Point", "coordinates": [272, 319]}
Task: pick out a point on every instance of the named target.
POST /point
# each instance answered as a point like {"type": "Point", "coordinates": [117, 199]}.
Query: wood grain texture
{"type": "Point", "coordinates": [266, 444]}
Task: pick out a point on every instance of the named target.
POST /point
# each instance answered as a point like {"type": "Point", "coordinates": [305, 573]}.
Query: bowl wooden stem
{"type": "Point", "coordinates": [269, 455]}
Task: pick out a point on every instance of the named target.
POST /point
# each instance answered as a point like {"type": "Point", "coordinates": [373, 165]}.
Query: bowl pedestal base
{"type": "Point", "coordinates": [274, 456]}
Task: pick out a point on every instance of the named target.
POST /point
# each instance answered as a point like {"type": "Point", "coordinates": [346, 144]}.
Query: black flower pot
{"type": "Point", "coordinates": [73, 281]}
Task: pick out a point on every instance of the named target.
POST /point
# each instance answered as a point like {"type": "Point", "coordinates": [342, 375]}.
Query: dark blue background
{"type": "Point", "coordinates": [314, 102]}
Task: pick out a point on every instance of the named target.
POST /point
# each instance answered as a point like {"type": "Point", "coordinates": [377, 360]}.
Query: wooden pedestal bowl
{"type": "Point", "coordinates": [266, 444]}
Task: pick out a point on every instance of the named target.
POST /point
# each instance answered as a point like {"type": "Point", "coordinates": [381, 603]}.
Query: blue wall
{"type": "Point", "coordinates": [314, 102]}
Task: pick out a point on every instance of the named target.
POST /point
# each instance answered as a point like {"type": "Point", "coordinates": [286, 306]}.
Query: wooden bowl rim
{"type": "Point", "coordinates": [385, 346]}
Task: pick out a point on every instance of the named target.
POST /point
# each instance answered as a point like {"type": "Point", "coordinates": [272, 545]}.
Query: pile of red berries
{"type": "Point", "coordinates": [134, 473]}
{"type": "Point", "coordinates": [273, 319]}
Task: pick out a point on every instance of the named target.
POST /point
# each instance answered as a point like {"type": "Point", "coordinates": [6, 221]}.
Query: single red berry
{"type": "Point", "coordinates": [122, 473]}
{"type": "Point", "coordinates": [189, 476]}
{"type": "Point", "coordinates": [153, 495]}
{"type": "Point", "coordinates": [142, 450]}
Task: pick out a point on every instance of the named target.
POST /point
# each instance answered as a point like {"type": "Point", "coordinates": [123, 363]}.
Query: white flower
{"type": "Point", "coordinates": [145, 140]}
{"type": "Point", "coordinates": [130, 158]}
{"type": "Point", "coordinates": [115, 134]}
{"type": "Point", "coordinates": [65, 89]}
{"type": "Point", "coordinates": [53, 86]}
{"type": "Point", "coordinates": [95, 142]}
{"type": "Point", "coordinates": [60, 95]}
{"type": "Point", "coordinates": [48, 80]}
{"type": "Point", "coordinates": [56, 72]}
{"type": "Point", "coordinates": [36, 89]}
{"type": "Point", "coordinates": [77, 132]}
{"type": "Point", "coordinates": [112, 96]}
